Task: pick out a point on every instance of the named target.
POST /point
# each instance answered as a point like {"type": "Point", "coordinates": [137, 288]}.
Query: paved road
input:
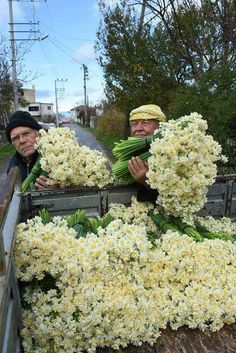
{"type": "Point", "coordinates": [85, 137]}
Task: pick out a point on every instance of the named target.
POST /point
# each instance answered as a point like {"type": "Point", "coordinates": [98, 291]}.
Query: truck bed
{"type": "Point", "coordinates": [16, 207]}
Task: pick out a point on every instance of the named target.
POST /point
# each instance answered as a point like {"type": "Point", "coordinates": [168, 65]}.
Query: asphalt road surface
{"type": "Point", "coordinates": [85, 137]}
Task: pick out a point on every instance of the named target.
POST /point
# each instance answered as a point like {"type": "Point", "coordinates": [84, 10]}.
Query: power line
{"type": "Point", "coordinates": [66, 36]}
{"type": "Point", "coordinates": [12, 32]}
{"type": "Point", "coordinates": [72, 50]}
{"type": "Point", "coordinates": [72, 57]}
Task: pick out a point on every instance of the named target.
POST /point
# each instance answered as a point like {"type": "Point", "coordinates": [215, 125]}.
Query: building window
{"type": "Point", "coordinates": [49, 107]}
{"type": "Point", "coordinates": [33, 109]}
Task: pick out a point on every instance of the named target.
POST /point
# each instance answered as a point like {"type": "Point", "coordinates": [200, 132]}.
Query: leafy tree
{"type": "Point", "coordinates": [6, 90]}
{"type": "Point", "coordinates": [131, 67]}
{"type": "Point", "coordinates": [181, 56]}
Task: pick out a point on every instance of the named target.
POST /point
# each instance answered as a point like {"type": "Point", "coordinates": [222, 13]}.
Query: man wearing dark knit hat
{"type": "Point", "coordinates": [22, 131]}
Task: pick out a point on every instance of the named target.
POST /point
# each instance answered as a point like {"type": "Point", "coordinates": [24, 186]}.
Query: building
{"type": "Point", "coordinates": [28, 94]}
{"type": "Point", "coordinates": [88, 116]}
{"type": "Point", "coordinates": [40, 111]}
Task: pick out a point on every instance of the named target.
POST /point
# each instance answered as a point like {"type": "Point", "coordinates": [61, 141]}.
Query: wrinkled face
{"type": "Point", "coordinates": [142, 128]}
{"type": "Point", "coordinates": [24, 138]}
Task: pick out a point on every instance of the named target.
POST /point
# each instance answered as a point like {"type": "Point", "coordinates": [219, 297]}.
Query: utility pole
{"type": "Point", "coordinates": [13, 50]}
{"type": "Point", "coordinates": [85, 68]}
{"type": "Point", "coordinates": [59, 91]}
{"type": "Point", "coordinates": [13, 54]}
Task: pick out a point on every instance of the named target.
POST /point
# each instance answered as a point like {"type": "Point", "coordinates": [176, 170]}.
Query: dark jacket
{"type": "Point", "coordinates": [146, 194]}
{"type": "Point", "coordinates": [18, 161]}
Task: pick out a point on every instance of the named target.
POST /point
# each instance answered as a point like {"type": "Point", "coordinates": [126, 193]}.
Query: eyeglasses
{"type": "Point", "coordinates": [25, 136]}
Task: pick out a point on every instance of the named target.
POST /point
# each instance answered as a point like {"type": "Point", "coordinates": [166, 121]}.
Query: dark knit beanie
{"type": "Point", "coordinates": [21, 118]}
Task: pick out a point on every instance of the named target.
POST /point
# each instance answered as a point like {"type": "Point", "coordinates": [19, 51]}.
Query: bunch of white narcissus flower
{"type": "Point", "coordinates": [222, 225]}
{"type": "Point", "coordinates": [69, 164]}
{"type": "Point", "coordinates": [137, 213]}
{"type": "Point", "coordinates": [115, 288]}
{"type": "Point", "coordinates": [182, 165]}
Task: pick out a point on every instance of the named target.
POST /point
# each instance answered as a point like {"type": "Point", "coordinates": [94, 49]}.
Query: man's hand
{"type": "Point", "coordinates": [41, 183]}
{"type": "Point", "coordinates": [138, 169]}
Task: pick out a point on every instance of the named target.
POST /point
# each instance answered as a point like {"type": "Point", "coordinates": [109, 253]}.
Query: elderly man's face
{"type": "Point", "coordinates": [24, 138]}
{"type": "Point", "coordinates": [142, 128]}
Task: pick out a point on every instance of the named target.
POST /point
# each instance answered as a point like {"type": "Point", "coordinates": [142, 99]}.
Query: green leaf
{"type": "Point", "coordinates": [44, 214]}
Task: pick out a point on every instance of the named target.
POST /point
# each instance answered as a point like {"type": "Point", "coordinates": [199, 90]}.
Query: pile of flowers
{"type": "Point", "coordinates": [222, 225]}
{"type": "Point", "coordinates": [136, 214]}
{"type": "Point", "coordinates": [116, 288]}
{"type": "Point", "coordinates": [182, 165]}
{"type": "Point", "coordinates": [66, 163]}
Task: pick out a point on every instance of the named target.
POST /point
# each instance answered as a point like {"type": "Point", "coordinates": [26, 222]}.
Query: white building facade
{"type": "Point", "coordinates": [42, 111]}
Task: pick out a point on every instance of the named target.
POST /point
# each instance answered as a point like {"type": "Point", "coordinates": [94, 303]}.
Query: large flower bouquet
{"type": "Point", "coordinates": [66, 163]}
{"type": "Point", "coordinates": [182, 163]}
{"type": "Point", "coordinates": [117, 286]}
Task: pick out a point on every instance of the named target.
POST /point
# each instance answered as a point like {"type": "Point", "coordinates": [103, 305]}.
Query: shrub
{"type": "Point", "coordinates": [113, 123]}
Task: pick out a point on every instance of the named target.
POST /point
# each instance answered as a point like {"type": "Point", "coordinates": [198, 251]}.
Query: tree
{"type": "Point", "coordinates": [128, 61]}
{"type": "Point", "coordinates": [202, 32]}
{"type": "Point", "coordinates": [6, 90]}
{"type": "Point", "coordinates": [5, 82]}
{"type": "Point", "coordinates": [182, 58]}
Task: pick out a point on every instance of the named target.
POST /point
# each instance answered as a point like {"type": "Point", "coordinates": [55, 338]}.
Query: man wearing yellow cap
{"type": "Point", "coordinates": [144, 120]}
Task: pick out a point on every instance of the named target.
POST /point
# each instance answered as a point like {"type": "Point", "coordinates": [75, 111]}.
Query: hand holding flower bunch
{"type": "Point", "coordinates": [66, 163]}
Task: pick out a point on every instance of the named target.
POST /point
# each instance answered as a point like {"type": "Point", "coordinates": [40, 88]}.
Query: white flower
{"type": "Point", "coordinates": [69, 164]}
{"type": "Point", "coordinates": [182, 165]}
{"type": "Point", "coordinates": [114, 289]}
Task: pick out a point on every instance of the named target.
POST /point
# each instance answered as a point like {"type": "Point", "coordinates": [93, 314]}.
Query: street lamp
{"type": "Point", "coordinates": [43, 37]}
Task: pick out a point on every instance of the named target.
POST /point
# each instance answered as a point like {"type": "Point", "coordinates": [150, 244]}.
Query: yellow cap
{"type": "Point", "coordinates": [146, 112]}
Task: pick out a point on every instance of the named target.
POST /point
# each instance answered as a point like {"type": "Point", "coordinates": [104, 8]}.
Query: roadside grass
{"type": "Point", "coordinates": [6, 149]}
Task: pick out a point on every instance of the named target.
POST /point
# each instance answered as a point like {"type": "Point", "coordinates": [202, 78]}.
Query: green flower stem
{"type": "Point", "coordinates": [31, 178]}
{"type": "Point", "coordinates": [133, 146]}
{"type": "Point", "coordinates": [126, 149]}
{"type": "Point", "coordinates": [121, 171]}
{"type": "Point", "coordinates": [162, 223]}
{"type": "Point", "coordinates": [205, 233]}
{"type": "Point", "coordinates": [186, 229]}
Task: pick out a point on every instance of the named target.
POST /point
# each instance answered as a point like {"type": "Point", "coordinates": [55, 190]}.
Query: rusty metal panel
{"type": "Point", "coordinates": [233, 202]}
{"type": "Point", "coordinates": [67, 201]}
{"type": "Point", "coordinates": [59, 202]}
{"type": "Point", "coordinates": [10, 308]}
{"type": "Point", "coordinates": [216, 200]}
{"type": "Point", "coordinates": [122, 195]}
{"type": "Point", "coordinates": [221, 200]}
{"type": "Point", "coordinates": [10, 224]}
{"type": "Point", "coordinates": [186, 340]}
{"type": "Point", "coordinates": [10, 313]}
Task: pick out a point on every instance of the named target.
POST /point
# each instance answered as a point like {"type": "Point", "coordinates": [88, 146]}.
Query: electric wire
{"type": "Point", "coordinates": [66, 36]}
{"type": "Point", "coordinates": [72, 57]}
